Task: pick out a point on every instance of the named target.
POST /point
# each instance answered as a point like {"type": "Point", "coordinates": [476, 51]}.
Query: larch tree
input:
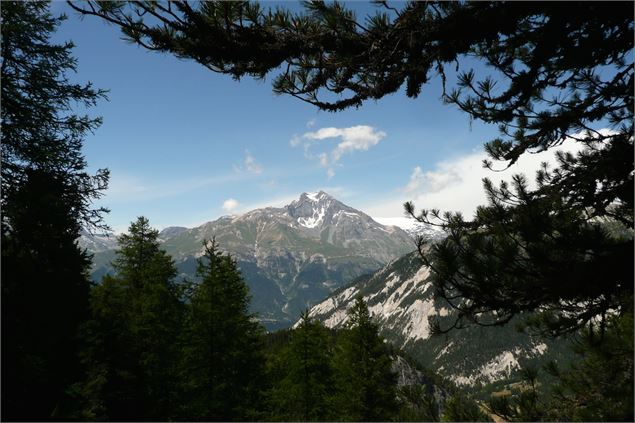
{"type": "Point", "coordinates": [46, 199]}
{"type": "Point", "coordinates": [131, 351]}
{"type": "Point", "coordinates": [304, 392]}
{"type": "Point", "coordinates": [222, 362]}
{"type": "Point", "coordinates": [365, 384]}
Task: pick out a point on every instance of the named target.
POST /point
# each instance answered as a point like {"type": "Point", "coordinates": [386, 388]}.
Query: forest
{"type": "Point", "coordinates": [144, 344]}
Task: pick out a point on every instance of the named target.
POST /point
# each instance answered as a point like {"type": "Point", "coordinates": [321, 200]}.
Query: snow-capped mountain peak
{"type": "Point", "coordinates": [313, 210]}
{"type": "Point", "coordinates": [291, 256]}
{"type": "Point", "coordinates": [315, 196]}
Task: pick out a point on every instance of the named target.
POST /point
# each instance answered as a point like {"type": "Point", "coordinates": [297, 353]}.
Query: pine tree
{"type": "Point", "coordinates": [46, 198]}
{"type": "Point", "coordinates": [599, 386]}
{"type": "Point", "coordinates": [303, 393]}
{"type": "Point", "coordinates": [136, 318]}
{"type": "Point", "coordinates": [221, 366]}
{"type": "Point", "coordinates": [365, 383]}
{"type": "Point", "coordinates": [556, 71]}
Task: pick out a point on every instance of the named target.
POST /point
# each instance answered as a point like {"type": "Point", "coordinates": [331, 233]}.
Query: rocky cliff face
{"type": "Point", "coordinates": [400, 296]}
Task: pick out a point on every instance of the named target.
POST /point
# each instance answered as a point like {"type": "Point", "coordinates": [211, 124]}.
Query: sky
{"type": "Point", "coordinates": [185, 145]}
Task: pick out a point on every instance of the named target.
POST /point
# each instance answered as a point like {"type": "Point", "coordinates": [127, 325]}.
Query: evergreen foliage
{"type": "Point", "coordinates": [46, 198]}
{"type": "Point", "coordinates": [136, 316]}
{"type": "Point", "coordinates": [563, 249]}
{"type": "Point", "coordinates": [600, 386]}
{"type": "Point", "coordinates": [416, 405]}
{"type": "Point", "coordinates": [222, 364]}
{"type": "Point", "coordinates": [304, 391]}
{"type": "Point", "coordinates": [40, 130]}
{"type": "Point", "coordinates": [460, 408]}
{"type": "Point", "coordinates": [524, 406]}
{"type": "Point", "coordinates": [597, 387]}
{"type": "Point", "coordinates": [44, 298]}
{"type": "Point", "coordinates": [558, 71]}
{"type": "Point", "coordinates": [365, 383]}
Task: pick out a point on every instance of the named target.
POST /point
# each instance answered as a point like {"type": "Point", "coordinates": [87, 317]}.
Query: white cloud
{"type": "Point", "coordinates": [273, 202]}
{"type": "Point", "coordinates": [430, 181]}
{"type": "Point", "coordinates": [311, 123]}
{"type": "Point", "coordinates": [294, 141]}
{"type": "Point", "coordinates": [251, 165]}
{"type": "Point", "coordinates": [416, 179]}
{"type": "Point", "coordinates": [457, 184]}
{"type": "Point", "coordinates": [324, 159]}
{"type": "Point", "coordinates": [354, 138]}
{"type": "Point", "coordinates": [230, 205]}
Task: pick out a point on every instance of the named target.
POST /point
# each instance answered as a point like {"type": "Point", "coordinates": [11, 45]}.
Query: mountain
{"type": "Point", "coordinates": [97, 242]}
{"type": "Point", "coordinates": [171, 231]}
{"type": "Point", "coordinates": [291, 257]}
{"type": "Point", "coordinates": [401, 297]}
{"type": "Point", "coordinates": [413, 227]}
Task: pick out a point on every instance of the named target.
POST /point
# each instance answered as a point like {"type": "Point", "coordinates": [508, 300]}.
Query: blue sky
{"type": "Point", "coordinates": [181, 142]}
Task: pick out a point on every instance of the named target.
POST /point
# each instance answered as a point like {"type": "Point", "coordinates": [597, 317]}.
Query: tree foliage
{"type": "Point", "coordinates": [305, 390]}
{"type": "Point", "coordinates": [365, 383]}
{"type": "Point", "coordinates": [597, 387]}
{"type": "Point", "coordinates": [136, 316]}
{"type": "Point", "coordinates": [46, 199]}
{"type": "Point", "coordinates": [557, 71]}
{"type": "Point", "coordinates": [222, 362]}
{"type": "Point", "coordinates": [40, 130]}
{"type": "Point", "coordinates": [600, 386]}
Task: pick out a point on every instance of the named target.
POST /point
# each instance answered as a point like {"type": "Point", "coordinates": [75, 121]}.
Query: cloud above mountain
{"type": "Point", "coordinates": [249, 165]}
{"type": "Point", "coordinates": [456, 184]}
{"type": "Point", "coordinates": [230, 205]}
{"type": "Point", "coordinates": [351, 139]}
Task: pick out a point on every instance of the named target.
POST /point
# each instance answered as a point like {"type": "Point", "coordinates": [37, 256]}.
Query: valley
{"type": "Point", "coordinates": [319, 254]}
{"type": "Point", "coordinates": [291, 257]}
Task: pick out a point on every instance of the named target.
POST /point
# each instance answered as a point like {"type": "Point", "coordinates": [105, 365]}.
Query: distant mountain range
{"type": "Point", "coordinates": [291, 257]}
{"type": "Point", "coordinates": [401, 298]}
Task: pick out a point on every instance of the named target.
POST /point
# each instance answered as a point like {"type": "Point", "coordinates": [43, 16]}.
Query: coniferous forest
{"type": "Point", "coordinates": [146, 343]}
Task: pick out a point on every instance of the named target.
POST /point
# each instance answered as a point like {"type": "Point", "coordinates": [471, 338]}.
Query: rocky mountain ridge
{"type": "Point", "coordinates": [401, 298]}
{"type": "Point", "coordinates": [292, 256]}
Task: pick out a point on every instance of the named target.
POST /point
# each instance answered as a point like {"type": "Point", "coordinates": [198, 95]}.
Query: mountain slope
{"type": "Point", "coordinates": [291, 257]}
{"type": "Point", "coordinates": [401, 297]}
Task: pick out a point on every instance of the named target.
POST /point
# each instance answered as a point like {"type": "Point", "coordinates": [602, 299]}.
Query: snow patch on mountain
{"type": "Point", "coordinates": [313, 196]}
{"type": "Point", "coordinates": [313, 221]}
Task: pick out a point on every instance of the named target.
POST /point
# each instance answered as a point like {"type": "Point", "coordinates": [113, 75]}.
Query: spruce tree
{"type": "Point", "coordinates": [222, 360]}
{"type": "Point", "coordinates": [365, 383]}
{"type": "Point", "coordinates": [46, 198]}
{"type": "Point", "coordinates": [136, 319]}
{"type": "Point", "coordinates": [305, 390]}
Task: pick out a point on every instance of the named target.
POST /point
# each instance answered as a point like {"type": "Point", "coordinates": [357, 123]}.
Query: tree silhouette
{"type": "Point", "coordinates": [222, 362]}
{"type": "Point", "coordinates": [557, 71]}
{"type": "Point", "coordinates": [136, 317]}
{"type": "Point", "coordinates": [46, 199]}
